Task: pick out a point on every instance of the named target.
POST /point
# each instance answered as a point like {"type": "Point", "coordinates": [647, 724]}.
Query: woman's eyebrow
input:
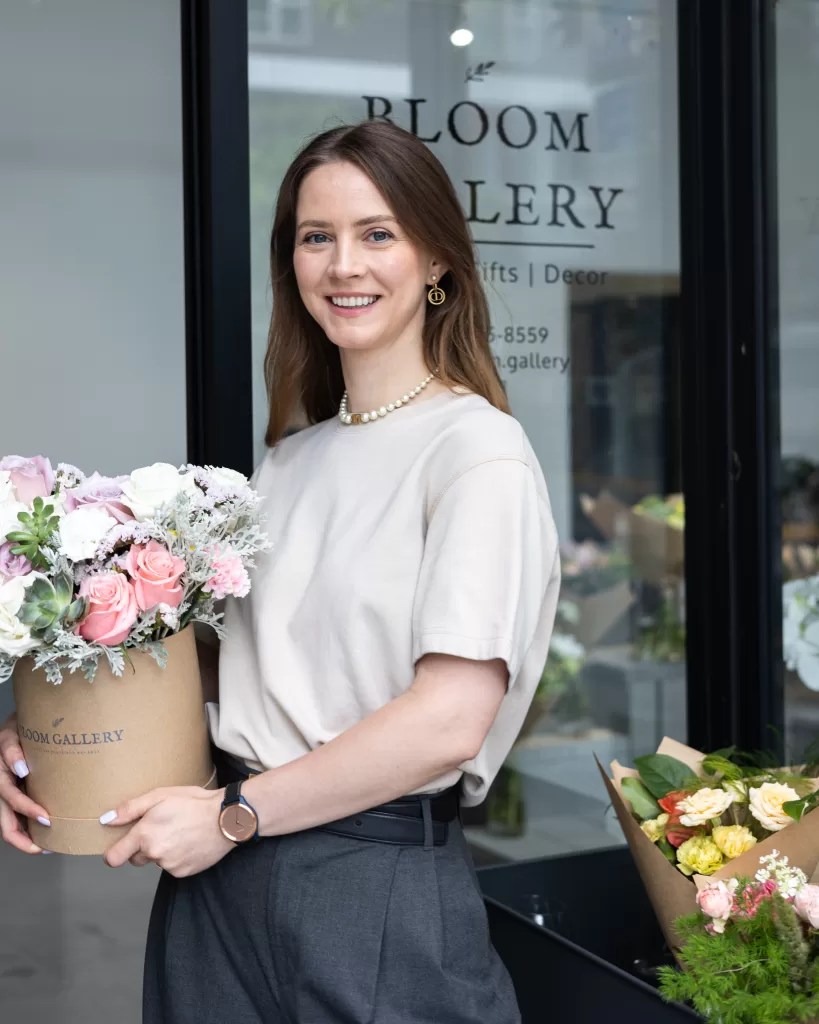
{"type": "Point", "coordinates": [358, 224]}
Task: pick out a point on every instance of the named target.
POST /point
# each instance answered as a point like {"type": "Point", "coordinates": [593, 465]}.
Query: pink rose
{"type": "Point", "coordinates": [13, 565]}
{"type": "Point", "coordinates": [155, 572]}
{"type": "Point", "coordinates": [112, 608]}
{"type": "Point", "coordinates": [229, 578]}
{"type": "Point", "coordinates": [30, 478]}
{"type": "Point", "coordinates": [716, 901]}
{"type": "Point", "coordinates": [99, 492]}
{"type": "Point", "coordinates": [806, 905]}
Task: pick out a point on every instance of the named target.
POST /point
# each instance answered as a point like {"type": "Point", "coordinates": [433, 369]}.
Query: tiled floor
{"type": "Point", "coordinates": [72, 935]}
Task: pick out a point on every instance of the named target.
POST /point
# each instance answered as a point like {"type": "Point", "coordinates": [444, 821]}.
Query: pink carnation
{"type": "Point", "coordinates": [229, 578]}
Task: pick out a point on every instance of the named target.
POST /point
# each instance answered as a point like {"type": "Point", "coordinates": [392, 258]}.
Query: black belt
{"type": "Point", "coordinates": [407, 821]}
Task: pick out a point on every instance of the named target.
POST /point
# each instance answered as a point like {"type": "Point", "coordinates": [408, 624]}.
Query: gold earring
{"type": "Point", "coordinates": [436, 295]}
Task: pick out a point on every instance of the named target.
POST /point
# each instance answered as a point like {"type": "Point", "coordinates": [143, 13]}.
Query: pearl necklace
{"type": "Point", "coordinates": [354, 418]}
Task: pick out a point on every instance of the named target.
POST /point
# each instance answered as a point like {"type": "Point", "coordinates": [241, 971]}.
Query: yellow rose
{"type": "Point", "coordinates": [701, 855]}
{"type": "Point", "coordinates": [654, 828]}
{"type": "Point", "coordinates": [733, 840]}
{"type": "Point", "coordinates": [766, 805]}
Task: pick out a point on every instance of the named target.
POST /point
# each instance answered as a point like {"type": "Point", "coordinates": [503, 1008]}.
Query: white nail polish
{"type": "Point", "coordinates": [20, 769]}
{"type": "Point", "coordinates": [46, 852]}
{"type": "Point", "coordinates": [108, 817]}
{"type": "Point", "coordinates": [44, 821]}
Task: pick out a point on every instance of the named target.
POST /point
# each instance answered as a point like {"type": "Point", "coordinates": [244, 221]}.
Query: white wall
{"type": "Point", "coordinates": [92, 347]}
{"type": "Point", "coordinates": [92, 319]}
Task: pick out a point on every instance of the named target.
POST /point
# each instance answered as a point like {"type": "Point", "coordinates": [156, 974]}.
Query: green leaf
{"type": "Point", "coordinates": [797, 809]}
{"type": "Point", "coordinates": [714, 763]}
{"type": "Point", "coordinates": [662, 774]}
{"type": "Point", "coordinates": [667, 850]}
{"type": "Point", "coordinates": [642, 802]}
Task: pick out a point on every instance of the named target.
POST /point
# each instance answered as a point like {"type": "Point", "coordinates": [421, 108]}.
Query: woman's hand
{"type": "Point", "coordinates": [176, 828]}
{"type": "Point", "coordinates": [13, 801]}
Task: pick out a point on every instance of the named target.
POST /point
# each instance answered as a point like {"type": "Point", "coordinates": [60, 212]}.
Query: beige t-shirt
{"type": "Point", "coordinates": [427, 531]}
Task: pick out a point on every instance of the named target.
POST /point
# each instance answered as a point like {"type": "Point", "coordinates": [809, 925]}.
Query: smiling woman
{"type": "Point", "coordinates": [364, 216]}
{"type": "Point", "coordinates": [397, 635]}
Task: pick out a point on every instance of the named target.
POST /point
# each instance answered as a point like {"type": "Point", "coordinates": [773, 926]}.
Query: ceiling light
{"type": "Point", "coordinates": [461, 37]}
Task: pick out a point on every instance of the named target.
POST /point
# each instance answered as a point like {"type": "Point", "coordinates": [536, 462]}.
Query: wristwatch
{"type": "Point", "coordinates": [237, 819]}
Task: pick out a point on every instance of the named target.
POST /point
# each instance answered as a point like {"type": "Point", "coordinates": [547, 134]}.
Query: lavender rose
{"type": "Point", "coordinates": [103, 492]}
{"type": "Point", "coordinates": [30, 478]}
{"type": "Point", "coordinates": [13, 565]}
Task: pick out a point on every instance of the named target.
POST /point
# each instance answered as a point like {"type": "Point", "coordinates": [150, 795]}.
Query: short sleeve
{"type": "Point", "coordinates": [489, 556]}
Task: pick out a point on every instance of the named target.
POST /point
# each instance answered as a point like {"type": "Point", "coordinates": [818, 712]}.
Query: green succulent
{"type": "Point", "coordinates": [48, 604]}
{"type": "Point", "coordinates": [38, 527]}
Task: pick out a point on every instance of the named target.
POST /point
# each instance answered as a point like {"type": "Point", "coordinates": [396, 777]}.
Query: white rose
{"type": "Point", "coordinates": [6, 489]}
{"type": "Point", "coordinates": [148, 489]}
{"type": "Point", "coordinates": [766, 805]}
{"type": "Point", "coordinates": [225, 477]}
{"type": "Point", "coordinates": [9, 510]}
{"type": "Point", "coordinates": [704, 805]}
{"type": "Point", "coordinates": [15, 637]}
{"type": "Point", "coordinates": [82, 530]}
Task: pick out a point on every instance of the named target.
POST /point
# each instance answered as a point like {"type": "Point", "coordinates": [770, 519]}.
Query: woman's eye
{"type": "Point", "coordinates": [379, 235]}
{"type": "Point", "coordinates": [316, 238]}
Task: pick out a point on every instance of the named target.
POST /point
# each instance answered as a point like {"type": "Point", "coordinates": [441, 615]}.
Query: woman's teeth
{"type": "Point", "coordinates": [354, 300]}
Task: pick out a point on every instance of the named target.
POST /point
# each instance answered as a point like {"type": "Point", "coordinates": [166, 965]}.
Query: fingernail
{"type": "Point", "coordinates": [35, 849]}
{"type": "Point", "coordinates": [108, 817]}
{"type": "Point", "coordinates": [44, 821]}
{"type": "Point", "coordinates": [46, 852]}
{"type": "Point", "coordinates": [20, 769]}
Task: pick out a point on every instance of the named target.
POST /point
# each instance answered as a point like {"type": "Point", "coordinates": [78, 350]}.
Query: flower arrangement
{"type": "Point", "coordinates": [750, 953]}
{"type": "Point", "coordinates": [669, 510]}
{"type": "Point", "coordinates": [691, 819]}
{"type": "Point", "coordinates": [800, 628]}
{"type": "Point", "coordinates": [703, 821]}
{"type": "Point", "coordinates": [93, 567]}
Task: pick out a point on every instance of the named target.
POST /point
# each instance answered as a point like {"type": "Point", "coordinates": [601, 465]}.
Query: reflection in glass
{"type": "Point", "coordinates": [797, 151]}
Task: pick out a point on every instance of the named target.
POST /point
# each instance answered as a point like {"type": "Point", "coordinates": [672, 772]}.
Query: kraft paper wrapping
{"type": "Point", "coordinates": [92, 745]}
{"type": "Point", "coordinates": [656, 549]}
{"type": "Point", "coordinates": [670, 892]}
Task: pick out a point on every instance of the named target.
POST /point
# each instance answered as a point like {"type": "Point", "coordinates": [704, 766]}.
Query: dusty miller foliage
{"type": "Point", "coordinates": [762, 971]}
{"type": "Point", "coordinates": [218, 518]}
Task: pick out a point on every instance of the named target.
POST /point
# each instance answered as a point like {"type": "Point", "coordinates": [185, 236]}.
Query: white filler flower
{"type": "Point", "coordinates": [704, 805]}
{"type": "Point", "coordinates": [82, 530]}
{"type": "Point", "coordinates": [151, 487]}
{"type": "Point", "coordinates": [15, 637]}
{"type": "Point", "coordinates": [766, 805]}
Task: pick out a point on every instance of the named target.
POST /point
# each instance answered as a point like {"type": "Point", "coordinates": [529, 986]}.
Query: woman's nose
{"type": "Point", "coordinates": [346, 261]}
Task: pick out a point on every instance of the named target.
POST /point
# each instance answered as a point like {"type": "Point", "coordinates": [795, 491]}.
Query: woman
{"type": "Point", "coordinates": [386, 658]}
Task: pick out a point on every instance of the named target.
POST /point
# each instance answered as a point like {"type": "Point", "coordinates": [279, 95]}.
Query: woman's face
{"type": "Point", "coordinates": [359, 276]}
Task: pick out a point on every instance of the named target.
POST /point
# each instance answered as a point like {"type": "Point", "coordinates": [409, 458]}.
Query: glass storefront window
{"type": "Point", "coordinates": [558, 126]}
{"type": "Point", "coordinates": [797, 168]}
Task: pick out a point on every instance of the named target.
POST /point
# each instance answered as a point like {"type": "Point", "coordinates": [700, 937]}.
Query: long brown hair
{"type": "Point", "coordinates": [301, 365]}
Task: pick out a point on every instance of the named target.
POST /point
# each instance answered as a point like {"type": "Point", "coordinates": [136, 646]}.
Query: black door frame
{"type": "Point", "coordinates": [217, 232]}
{"type": "Point", "coordinates": [728, 360]}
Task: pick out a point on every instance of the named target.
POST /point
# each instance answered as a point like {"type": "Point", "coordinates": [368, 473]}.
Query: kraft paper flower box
{"type": "Point", "coordinates": [92, 746]}
{"type": "Point", "coordinates": [672, 893]}
{"type": "Point", "coordinates": [656, 546]}
{"type": "Point", "coordinates": [101, 582]}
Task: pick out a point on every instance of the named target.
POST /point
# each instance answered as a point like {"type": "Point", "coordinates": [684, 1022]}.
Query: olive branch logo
{"type": "Point", "coordinates": [480, 71]}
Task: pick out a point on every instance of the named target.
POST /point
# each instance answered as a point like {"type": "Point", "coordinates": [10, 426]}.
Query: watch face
{"type": "Point", "coordinates": [238, 823]}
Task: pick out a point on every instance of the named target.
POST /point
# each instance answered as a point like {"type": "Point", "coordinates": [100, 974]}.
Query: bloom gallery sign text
{"type": "Point", "coordinates": [517, 127]}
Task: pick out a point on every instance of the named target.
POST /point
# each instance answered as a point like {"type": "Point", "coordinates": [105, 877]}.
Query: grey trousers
{"type": "Point", "coordinates": [314, 928]}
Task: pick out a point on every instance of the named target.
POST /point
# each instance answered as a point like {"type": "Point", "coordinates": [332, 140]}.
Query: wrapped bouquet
{"type": "Point", "coordinates": [692, 819]}
{"type": "Point", "coordinates": [100, 580]}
